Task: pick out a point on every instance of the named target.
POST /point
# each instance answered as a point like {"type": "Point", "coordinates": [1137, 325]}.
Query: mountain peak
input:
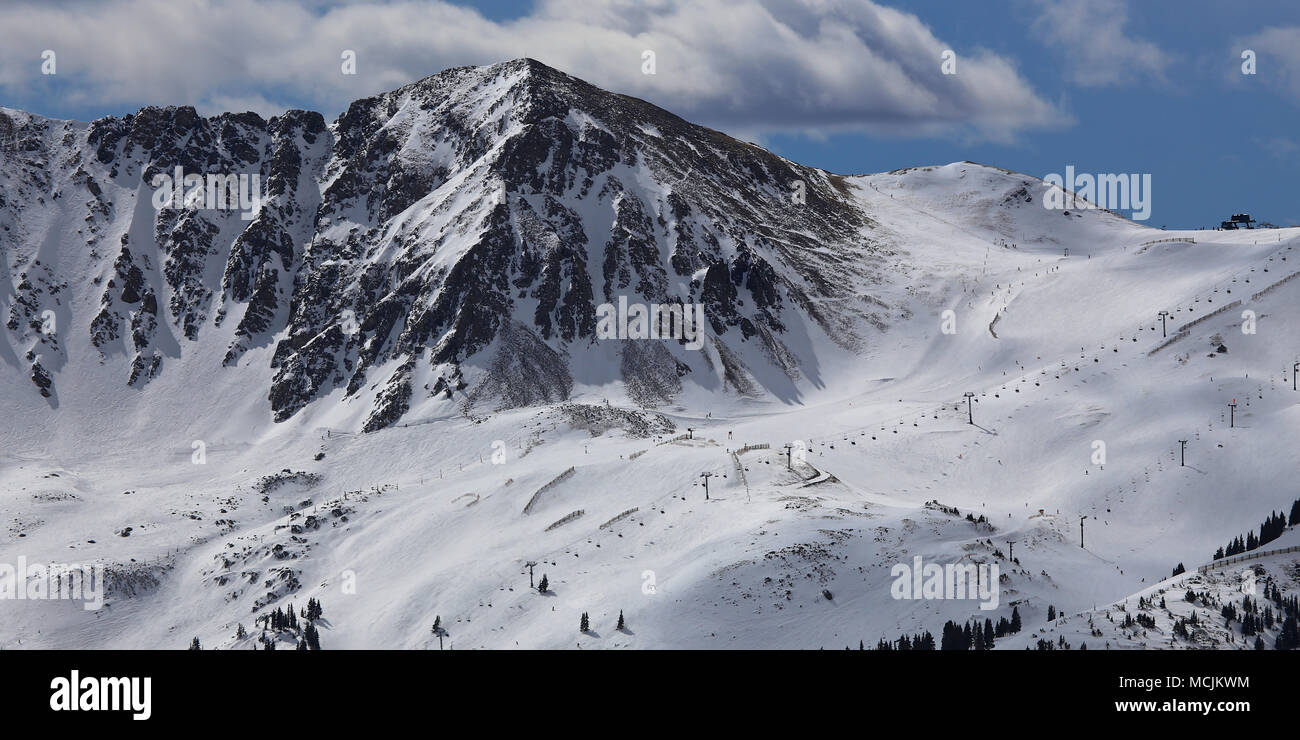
{"type": "Point", "coordinates": [451, 241]}
{"type": "Point", "coordinates": [521, 72]}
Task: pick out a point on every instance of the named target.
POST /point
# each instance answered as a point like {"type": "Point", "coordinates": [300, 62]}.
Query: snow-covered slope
{"type": "Point", "coordinates": [394, 261]}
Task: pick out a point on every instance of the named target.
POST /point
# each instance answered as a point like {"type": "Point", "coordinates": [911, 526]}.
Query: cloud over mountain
{"type": "Point", "coordinates": [849, 65]}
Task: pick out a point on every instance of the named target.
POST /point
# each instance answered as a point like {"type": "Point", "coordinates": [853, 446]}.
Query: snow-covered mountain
{"type": "Point", "coordinates": [455, 236]}
{"type": "Point", "coordinates": [383, 384]}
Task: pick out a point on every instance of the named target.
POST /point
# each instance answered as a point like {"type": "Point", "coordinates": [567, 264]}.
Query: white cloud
{"type": "Point", "coordinates": [1095, 44]}
{"type": "Point", "coordinates": [820, 65]}
{"type": "Point", "coordinates": [1278, 147]}
{"type": "Point", "coordinates": [1277, 59]}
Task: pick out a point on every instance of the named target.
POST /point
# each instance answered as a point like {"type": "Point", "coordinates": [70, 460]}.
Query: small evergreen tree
{"type": "Point", "coordinates": [1289, 637]}
{"type": "Point", "coordinates": [620, 626]}
{"type": "Point", "coordinates": [585, 624]}
{"type": "Point", "coordinates": [955, 637]}
{"type": "Point", "coordinates": [239, 632]}
{"type": "Point", "coordinates": [1051, 613]}
{"type": "Point", "coordinates": [311, 636]}
{"type": "Point", "coordinates": [543, 584]}
{"type": "Point", "coordinates": [194, 644]}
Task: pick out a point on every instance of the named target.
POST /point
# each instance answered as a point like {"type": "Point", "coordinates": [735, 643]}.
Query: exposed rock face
{"type": "Point", "coordinates": [454, 235]}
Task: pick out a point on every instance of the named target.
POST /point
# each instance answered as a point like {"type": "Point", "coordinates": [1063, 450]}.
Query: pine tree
{"type": "Point", "coordinates": [1289, 637]}
{"type": "Point", "coordinates": [620, 626]}
{"type": "Point", "coordinates": [1179, 569]}
{"type": "Point", "coordinates": [239, 632]}
{"type": "Point", "coordinates": [954, 638]}
{"type": "Point", "coordinates": [584, 625]}
{"type": "Point", "coordinates": [1051, 613]}
{"type": "Point", "coordinates": [543, 584]}
{"type": "Point", "coordinates": [1015, 619]}
{"type": "Point", "coordinates": [437, 625]}
{"type": "Point", "coordinates": [951, 637]}
{"type": "Point", "coordinates": [194, 644]}
{"type": "Point", "coordinates": [311, 636]}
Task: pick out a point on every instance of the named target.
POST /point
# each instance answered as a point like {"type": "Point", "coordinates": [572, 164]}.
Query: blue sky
{"type": "Point", "coordinates": [1108, 86]}
{"type": "Point", "coordinates": [1215, 141]}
